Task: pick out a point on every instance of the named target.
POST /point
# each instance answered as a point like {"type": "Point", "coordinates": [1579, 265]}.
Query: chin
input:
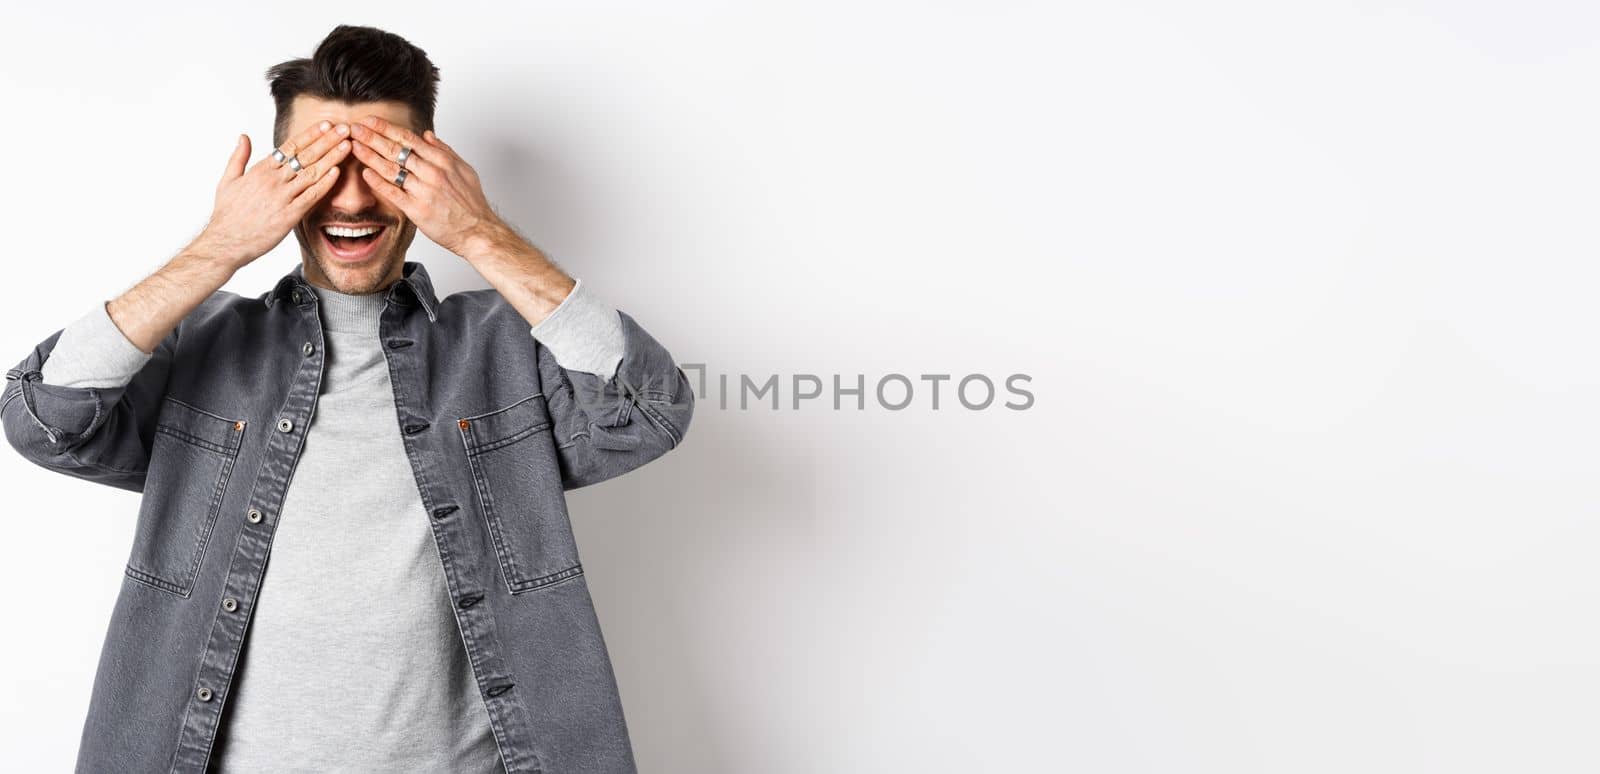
{"type": "Point", "coordinates": [360, 278]}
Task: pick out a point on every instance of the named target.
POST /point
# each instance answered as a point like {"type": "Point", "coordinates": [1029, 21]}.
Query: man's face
{"type": "Point", "coordinates": [367, 264]}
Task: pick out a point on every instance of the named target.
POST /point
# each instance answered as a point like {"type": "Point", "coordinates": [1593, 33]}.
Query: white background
{"type": "Point", "coordinates": [1306, 292]}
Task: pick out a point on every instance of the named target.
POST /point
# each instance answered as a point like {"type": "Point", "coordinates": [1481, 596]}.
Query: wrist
{"type": "Point", "coordinates": [209, 260]}
{"type": "Point", "coordinates": [488, 241]}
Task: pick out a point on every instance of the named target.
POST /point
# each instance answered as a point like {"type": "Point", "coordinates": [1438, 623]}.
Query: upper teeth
{"type": "Point", "coordinates": [341, 231]}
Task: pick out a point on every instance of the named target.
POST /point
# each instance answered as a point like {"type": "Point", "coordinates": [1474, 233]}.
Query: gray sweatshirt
{"type": "Point", "coordinates": [352, 662]}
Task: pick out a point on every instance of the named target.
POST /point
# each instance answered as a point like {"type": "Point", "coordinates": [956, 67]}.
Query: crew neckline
{"type": "Point", "coordinates": [350, 312]}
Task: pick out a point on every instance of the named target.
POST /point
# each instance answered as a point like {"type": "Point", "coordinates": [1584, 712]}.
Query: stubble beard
{"type": "Point", "coordinates": [356, 280]}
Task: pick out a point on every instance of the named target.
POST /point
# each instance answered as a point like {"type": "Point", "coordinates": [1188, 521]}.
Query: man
{"type": "Point", "coordinates": [402, 458]}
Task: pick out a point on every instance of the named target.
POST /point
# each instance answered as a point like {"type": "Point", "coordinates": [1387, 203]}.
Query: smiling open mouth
{"type": "Point", "coordinates": [352, 243]}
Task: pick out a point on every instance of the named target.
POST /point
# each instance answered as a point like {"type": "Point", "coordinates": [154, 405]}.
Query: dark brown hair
{"type": "Point", "coordinates": [357, 64]}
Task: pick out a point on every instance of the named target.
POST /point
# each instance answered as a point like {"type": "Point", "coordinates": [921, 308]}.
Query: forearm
{"type": "Point", "coordinates": [150, 310]}
{"type": "Point", "coordinates": [528, 280]}
{"type": "Point", "coordinates": [574, 323]}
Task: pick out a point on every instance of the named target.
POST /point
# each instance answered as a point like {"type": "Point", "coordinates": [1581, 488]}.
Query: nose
{"type": "Point", "coordinates": [350, 193]}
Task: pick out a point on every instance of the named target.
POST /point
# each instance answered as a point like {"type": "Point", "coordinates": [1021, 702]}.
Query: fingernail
{"type": "Point", "coordinates": [344, 129]}
{"type": "Point", "coordinates": [325, 126]}
{"type": "Point", "coordinates": [344, 146]}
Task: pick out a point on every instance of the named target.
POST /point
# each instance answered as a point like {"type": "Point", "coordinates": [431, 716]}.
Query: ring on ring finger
{"type": "Point", "coordinates": [294, 170]}
{"type": "Point", "coordinates": [405, 155]}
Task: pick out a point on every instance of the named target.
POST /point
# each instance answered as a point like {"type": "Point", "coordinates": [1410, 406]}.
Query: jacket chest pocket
{"type": "Point", "coordinates": [512, 456]}
{"type": "Point", "coordinates": [191, 460]}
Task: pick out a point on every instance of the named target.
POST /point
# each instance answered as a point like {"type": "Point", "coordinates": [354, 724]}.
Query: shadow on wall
{"type": "Point", "coordinates": [536, 193]}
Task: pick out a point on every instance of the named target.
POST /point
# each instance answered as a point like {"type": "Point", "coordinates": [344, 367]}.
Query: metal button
{"type": "Point", "coordinates": [204, 694]}
{"type": "Point", "coordinates": [307, 348]}
{"type": "Point", "coordinates": [254, 516]}
{"type": "Point", "coordinates": [296, 296]}
{"type": "Point", "coordinates": [230, 604]}
{"type": "Point", "coordinates": [284, 425]}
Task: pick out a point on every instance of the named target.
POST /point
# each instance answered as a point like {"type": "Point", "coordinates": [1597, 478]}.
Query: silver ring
{"type": "Point", "coordinates": [400, 179]}
{"type": "Point", "coordinates": [294, 163]}
{"type": "Point", "coordinates": [405, 153]}
{"type": "Point", "coordinates": [277, 155]}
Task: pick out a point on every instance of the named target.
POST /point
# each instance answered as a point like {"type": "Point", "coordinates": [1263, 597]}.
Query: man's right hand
{"type": "Point", "coordinates": [256, 209]}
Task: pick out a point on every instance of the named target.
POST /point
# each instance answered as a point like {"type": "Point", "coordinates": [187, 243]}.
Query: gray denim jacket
{"type": "Point", "coordinates": [496, 430]}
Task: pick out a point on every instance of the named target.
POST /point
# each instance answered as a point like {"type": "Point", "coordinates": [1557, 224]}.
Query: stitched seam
{"type": "Point", "coordinates": [549, 580]}
{"type": "Point", "coordinates": [192, 439]}
{"type": "Point", "coordinates": [50, 432]}
{"type": "Point", "coordinates": [502, 548]}
{"type": "Point", "coordinates": [495, 726]}
{"type": "Point", "coordinates": [207, 526]}
{"type": "Point", "coordinates": [504, 409]}
{"type": "Point", "coordinates": [152, 581]}
{"type": "Point", "coordinates": [475, 449]}
{"type": "Point", "coordinates": [197, 409]}
{"type": "Point", "coordinates": [655, 415]}
{"type": "Point", "coordinates": [661, 423]}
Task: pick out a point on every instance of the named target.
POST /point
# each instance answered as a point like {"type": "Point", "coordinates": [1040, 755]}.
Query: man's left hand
{"type": "Point", "coordinates": [442, 193]}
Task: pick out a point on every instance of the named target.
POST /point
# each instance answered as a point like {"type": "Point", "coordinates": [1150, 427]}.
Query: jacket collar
{"type": "Point", "coordinates": [413, 284]}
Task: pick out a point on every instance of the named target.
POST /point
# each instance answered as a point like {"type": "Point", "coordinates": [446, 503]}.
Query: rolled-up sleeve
{"type": "Point", "coordinates": [616, 396]}
{"type": "Point", "coordinates": [91, 414]}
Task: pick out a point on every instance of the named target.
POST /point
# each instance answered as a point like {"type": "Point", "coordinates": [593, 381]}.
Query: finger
{"type": "Point", "coordinates": [386, 190]}
{"type": "Point", "coordinates": [241, 154]}
{"type": "Point", "coordinates": [303, 203]}
{"type": "Point", "coordinates": [389, 149]}
{"type": "Point", "coordinates": [328, 149]}
{"type": "Point", "coordinates": [434, 138]}
{"type": "Point", "coordinates": [462, 166]}
{"type": "Point", "coordinates": [313, 173]}
{"type": "Point", "coordinates": [324, 143]}
{"type": "Point", "coordinates": [291, 148]}
{"type": "Point", "coordinates": [417, 171]}
{"type": "Point", "coordinates": [398, 134]}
